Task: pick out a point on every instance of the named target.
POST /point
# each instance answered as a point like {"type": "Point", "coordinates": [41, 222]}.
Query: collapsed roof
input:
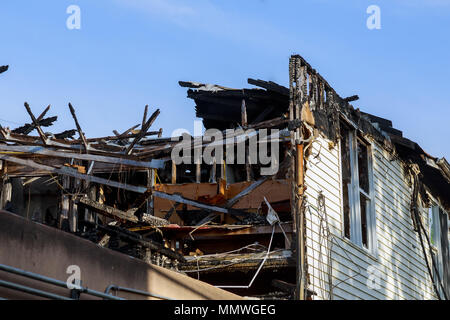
{"type": "Point", "coordinates": [220, 107]}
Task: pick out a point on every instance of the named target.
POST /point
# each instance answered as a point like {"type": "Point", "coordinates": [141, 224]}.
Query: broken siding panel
{"type": "Point", "coordinates": [403, 271]}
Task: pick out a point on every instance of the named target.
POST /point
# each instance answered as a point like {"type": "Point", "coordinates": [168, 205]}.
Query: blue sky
{"type": "Point", "coordinates": [130, 53]}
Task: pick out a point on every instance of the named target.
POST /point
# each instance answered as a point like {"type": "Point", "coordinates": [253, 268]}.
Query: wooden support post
{"type": "Point", "coordinates": [151, 176]}
{"type": "Point", "coordinates": [65, 201]}
{"type": "Point", "coordinates": [198, 172]}
{"type": "Point", "coordinates": [244, 122]}
{"type": "Point", "coordinates": [73, 214]}
{"type": "Point", "coordinates": [213, 171]}
{"type": "Point", "coordinates": [172, 211]}
{"type": "Point", "coordinates": [92, 195]}
{"type": "Point", "coordinates": [153, 245]}
{"type": "Point", "coordinates": [174, 172]}
{"type": "Point", "coordinates": [154, 163]}
{"type": "Point", "coordinates": [6, 192]}
{"type": "Point", "coordinates": [223, 170]}
{"type": "Point", "coordinates": [144, 118]}
{"type": "Point", "coordinates": [248, 166]}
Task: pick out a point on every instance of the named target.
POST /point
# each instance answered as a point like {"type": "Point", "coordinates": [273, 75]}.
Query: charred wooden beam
{"type": "Point", "coordinates": [284, 286]}
{"type": "Point", "coordinates": [36, 124]}
{"type": "Point", "coordinates": [132, 237]}
{"type": "Point", "coordinates": [205, 86]}
{"type": "Point", "coordinates": [65, 134]}
{"type": "Point", "coordinates": [118, 214]}
{"type": "Point", "coordinates": [74, 173]}
{"type": "Point", "coordinates": [80, 132]}
{"type": "Point", "coordinates": [4, 69]}
{"type": "Point", "coordinates": [245, 192]}
{"type": "Point", "coordinates": [263, 115]}
{"type": "Point", "coordinates": [153, 164]}
{"type": "Point", "coordinates": [198, 172]}
{"type": "Point", "coordinates": [124, 135]}
{"type": "Point", "coordinates": [144, 118]}
{"type": "Point", "coordinates": [172, 211]}
{"type": "Point", "coordinates": [270, 86]}
{"type": "Point", "coordinates": [351, 98]}
{"type": "Point", "coordinates": [27, 128]}
{"type": "Point", "coordinates": [144, 130]}
{"type": "Point", "coordinates": [174, 173]}
{"type": "Point", "coordinates": [115, 137]}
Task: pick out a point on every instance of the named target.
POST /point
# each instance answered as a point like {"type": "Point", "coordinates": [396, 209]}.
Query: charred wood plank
{"type": "Point", "coordinates": [351, 98]}
{"type": "Point", "coordinates": [80, 132]}
{"type": "Point", "coordinates": [270, 86]}
{"type": "Point", "coordinates": [180, 199]}
{"type": "Point", "coordinates": [27, 128]}
{"type": "Point", "coordinates": [172, 210]}
{"type": "Point", "coordinates": [144, 130]}
{"type": "Point", "coordinates": [4, 69]}
{"type": "Point", "coordinates": [36, 123]}
{"type": "Point", "coordinates": [115, 137]}
{"type": "Point", "coordinates": [66, 134]}
{"type": "Point", "coordinates": [107, 210]}
{"type": "Point", "coordinates": [153, 164]}
{"type": "Point", "coordinates": [133, 237]}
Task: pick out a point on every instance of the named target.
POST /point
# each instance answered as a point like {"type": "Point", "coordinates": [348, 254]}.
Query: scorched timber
{"type": "Point", "coordinates": [153, 164]}
{"type": "Point", "coordinates": [73, 173]}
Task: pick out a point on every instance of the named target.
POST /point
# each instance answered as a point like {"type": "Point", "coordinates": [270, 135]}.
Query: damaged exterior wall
{"type": "Point", "coordinates": [403, 273]}
{"type": "Point", "coordinates": [395, 266]}
{"type": "Point", "coordinates": [213, 223]}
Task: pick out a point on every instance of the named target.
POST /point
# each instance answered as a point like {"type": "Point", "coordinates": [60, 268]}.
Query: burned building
{"type": "Point", "coordinates": [291, 193]}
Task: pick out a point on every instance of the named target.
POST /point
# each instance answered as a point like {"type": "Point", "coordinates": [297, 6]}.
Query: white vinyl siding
{"type": "Point", "coordinates": [399, 257]}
